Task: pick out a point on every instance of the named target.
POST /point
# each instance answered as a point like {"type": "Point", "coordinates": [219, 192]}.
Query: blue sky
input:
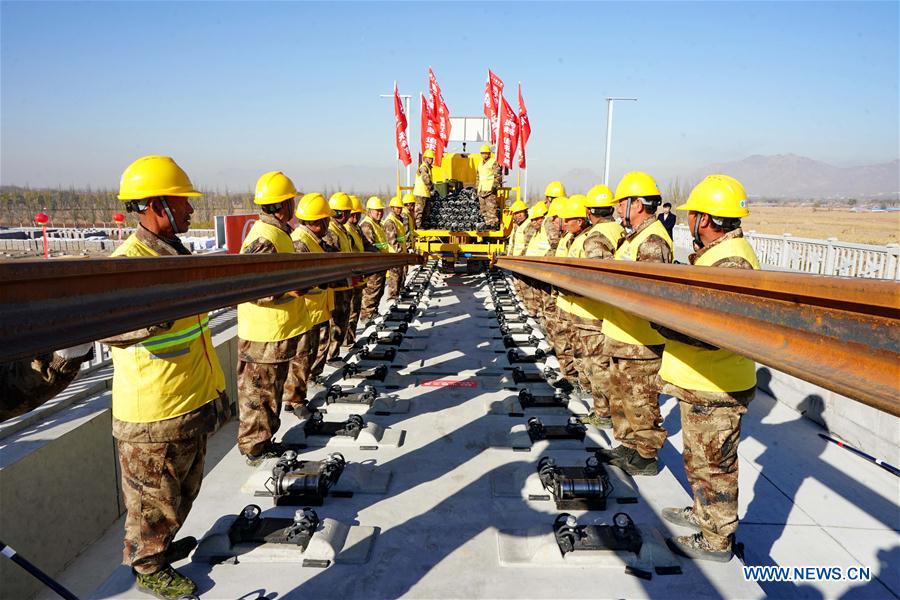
{"type": "Point", "coordinates": [235, 89]}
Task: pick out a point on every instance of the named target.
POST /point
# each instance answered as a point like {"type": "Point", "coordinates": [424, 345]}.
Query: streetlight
{"type": "Point", "coordinates": [406, 98]}
{"type": "Point", "coordinates": [609, 116]}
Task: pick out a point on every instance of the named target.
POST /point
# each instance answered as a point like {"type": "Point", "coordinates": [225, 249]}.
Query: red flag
{"type": "Point", "coordinates": [441, 112]}
{"type": "Point", "coordinates": [508, 130]}
{"type": "Point", "coordinates": [400, 126]}
{"type": "Point", "coordinates": [493, 91]}
{"type": "Point", "coordinates": [524, 128]}
{"type": "Point", "coordinates": [430, 138]}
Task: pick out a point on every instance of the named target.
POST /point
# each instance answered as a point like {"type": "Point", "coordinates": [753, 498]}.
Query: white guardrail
{"type": "Point", "coordinates": [821, 257]}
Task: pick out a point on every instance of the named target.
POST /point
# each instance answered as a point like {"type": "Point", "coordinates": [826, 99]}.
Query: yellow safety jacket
{"type": "Point", "coordinates": [538, 245]}
{"type": "Point", "coordinates": [411, 229]}
{"type": "Point", "coordinates": [380, 238]}
{"type": "Point", "coordinates": [356, 244]}
{"type": "Point", "coordinates": [344, 245]}
{"type": "Point", "coordinates": [517, 247]}
{"type": "Point", "coordinates": [420, 189]}
{"type": "Point", "coordinates": [401, 231]}
{"type": "Point", "coordinates": [486, 175]}
{"type": "Point", "coordinates": [318, 301]}
{"type": "Point", "coordinates": [284, 318]}
{"type": "Point", "coordinates": [581, 306]}
{"type": "Point", "coordinates": [167, 375]}
{"type": "Point", "coordinates": [694, 368]}
{"type": "Point", "coordinates": [623, 326]}
{"type": "Point", "coordinates": [563, 250]}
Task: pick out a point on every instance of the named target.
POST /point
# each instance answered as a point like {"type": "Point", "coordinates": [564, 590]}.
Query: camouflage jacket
{"type": "Point", "coordinates": [201, 421]}
{"type": "Point", "coordinates": [368, 246]}
{"type": "Point", "coordinates": [424, 174]}
{"type": "Point", "coordinates": [553, 234]}
{"type": "Point", "coordinates": [390, 233]}
{"type": "Point", "coordinates": [497, 175]}
{"type": "Point", "coordinates": [267, 352]}
{"type": "Point", "coordinates": [26, 384]}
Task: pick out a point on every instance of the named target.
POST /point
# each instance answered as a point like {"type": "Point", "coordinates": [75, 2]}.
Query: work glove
{"type": "Point", "coordinates": [79, 351]}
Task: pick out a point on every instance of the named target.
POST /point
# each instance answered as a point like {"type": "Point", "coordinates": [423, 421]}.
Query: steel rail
{"type": "Point", "coordinates": [836, 332]}
{"type": "Point", "coordinates": [51, 304]}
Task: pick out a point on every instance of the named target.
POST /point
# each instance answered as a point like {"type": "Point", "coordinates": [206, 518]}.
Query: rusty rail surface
{"type": "Point", "coordinates": [50, 304]}
{"type": "Point", "coordinates": [840, 333]}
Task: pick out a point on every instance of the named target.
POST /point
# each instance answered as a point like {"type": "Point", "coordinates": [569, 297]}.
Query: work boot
{"type": "Point", "coordinates": [607, 455]}
{"type": "Point", "coordinates": [684, 517]}
{"type": "Point", "coordinates": [270, 450]}
{"type": "Point", "coordinates": [180, 549]}
{"type": "Point", "coordinates": [695, 546]}
{"type": "Point", "coordinates": [630, 461]}
{"type": "Point", "coordinates": [597, 421]}
{"type": "Point", "coordinates": [167, 583]}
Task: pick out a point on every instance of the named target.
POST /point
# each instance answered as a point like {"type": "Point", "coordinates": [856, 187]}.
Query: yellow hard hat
{"type": "Point", "coordinates": [153, 176]}
{"type": "Point", "coordinates": [428, 153]}
{"type": "Point", "coordinates": [486, 148]}
{"type": "Point", "coordinates": [518, 206]}
{"type": "Point", "coordinates": [555, 205]}
{"type": "Point", "coordinates": [357, 205]}
{"type": "Point", "coordinates": [395, 202]}
{"type": "Point", "coordinates": [636, 184]}
{"type": "Point", "coordinates": [374, 203]}
{"type": "Point", "coordinates": [312, 207]}
{"type": "Point", "coordinates": [274, 187]}
{"type": "Point", "coordinates": [599, 196]}
{"type": "Point", "coordinates": [340, 201]}
{"type": "Point", "coordinates": [719, 196]}
{"type": "Point", "coordinates": [554, 189]}
{"type": "Point", "coordinates": [572, 207]}
{"type": "Point", "coordinates": [409, 198]}
{"type": "Point", "coordinates": [538, 210]}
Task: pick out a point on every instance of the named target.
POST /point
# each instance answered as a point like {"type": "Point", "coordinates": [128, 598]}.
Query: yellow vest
{"type": "Point", "coordinates": [693, 368]}
{"type": "Point", "coordinates": [344, 245]}
{"type": "Point", "coordinates": [380, 239]}
{"type": "Point", "coordinates": [581, 306]}
{"type": "Point", "coordinates": [486, 175]}
{"type": "Point", "coordinates": [563, 250]}
{"type": "Point", "coordinates": [623, 326]}
{"type": "Point", "coordinates": [411, 219]}
{"type": "Point", "coordinates": [283, 319]}
{"type": "Point", "coordinates": [538, 245]}
{"type": "Point", "coordinates": [170, 374]}
{"type": "Point", "coordinates": [401, 231]}
{"type": "Point", "coordinates": [319, 302]}
{"type": "Point", "coordinates": [420, 189]}
{"type": "Point", "coordinates": [356, 245]}
{"type": "Point", "coordinates": [517, 247]}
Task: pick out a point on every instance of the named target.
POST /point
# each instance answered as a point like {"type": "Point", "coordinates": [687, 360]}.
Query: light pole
{"type": "Point", "coordinates": [609, 116]}
{"type": "Point", "coordinates": [406, 98]}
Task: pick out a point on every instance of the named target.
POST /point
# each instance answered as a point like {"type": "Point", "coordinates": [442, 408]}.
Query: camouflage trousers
{"type": "Point", "coordinates": [318, 361]}
{"type": "Point", "coordinates": [340, 321]}
{"type": "Point", "coordinates": [594, 365]}
{"type": "Point", "coordinates": [393, 282]}
{"type": "Point", "coordinates": [300, 367]}
{"type": "Point", "coordinates": [488, 204]}
{"type": "Point", "coordinates": [371, 296]}
{"type": "Point", "coordinates": [561, 335]}
{"type": "Point", "coordinates": [633, 394]}
{"type": "Point", "coordinates": [529, 297]}
{"type": "Point", "coordinates": [421, 210]}
{"type": "Point", "coordinates": [160, 481]}
{"type": "Point", "coordinates": [355, 306]}
{"type": "Point", "coordinates": [260, 390]}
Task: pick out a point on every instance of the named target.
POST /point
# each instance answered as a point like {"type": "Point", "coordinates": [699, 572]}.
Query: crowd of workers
{"type": "Point", "coordinates": [624, 362]}
{"type": "Point", "coordinates": [169, 388]}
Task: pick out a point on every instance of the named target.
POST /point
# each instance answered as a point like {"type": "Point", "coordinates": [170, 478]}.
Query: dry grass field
{"type": "Point", "coordinates": [822, 223]}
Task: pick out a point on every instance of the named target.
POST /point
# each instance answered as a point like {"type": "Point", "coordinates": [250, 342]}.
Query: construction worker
{"type": "Point", "coordinates": [599, 241]}
{"type": "Point", "coordinates": [488, 181]}
{"type": "Point", "coordinates": [542, 244]}
{"type": "Point", "coordinates": [314, 215]}
{"type": "Point", "coordinates": [530, 296]}
{"type": "Point", "coordinates": [168, 391]}
{"type": "Point", "coordinates": [374, 235]}
{"type": "Point", "coordinates": [360, 244]}
{"type": "Point", "coordinates": [573, 216]}
{"type": "Point", "coordinates": [26, 384]}
{"type": "Point", "coordinates": [713, 386]}
{"type": "Point", "coordinates": [409, 219]}
{"type": "Point", "coordinates": [424, 186]}
{"type": "Point", "coordinates": [634, 347]}
{"type": "Point", "coordinates": [337, 237]}
{"type": "Point", "coordinates": [554, 190]}
{"type": "Point", "coordinates": [395, 234]}
{"type": "Point", "coordinates": [517, 241]}
{"type": "Point", "coordinates": [269, 329]}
